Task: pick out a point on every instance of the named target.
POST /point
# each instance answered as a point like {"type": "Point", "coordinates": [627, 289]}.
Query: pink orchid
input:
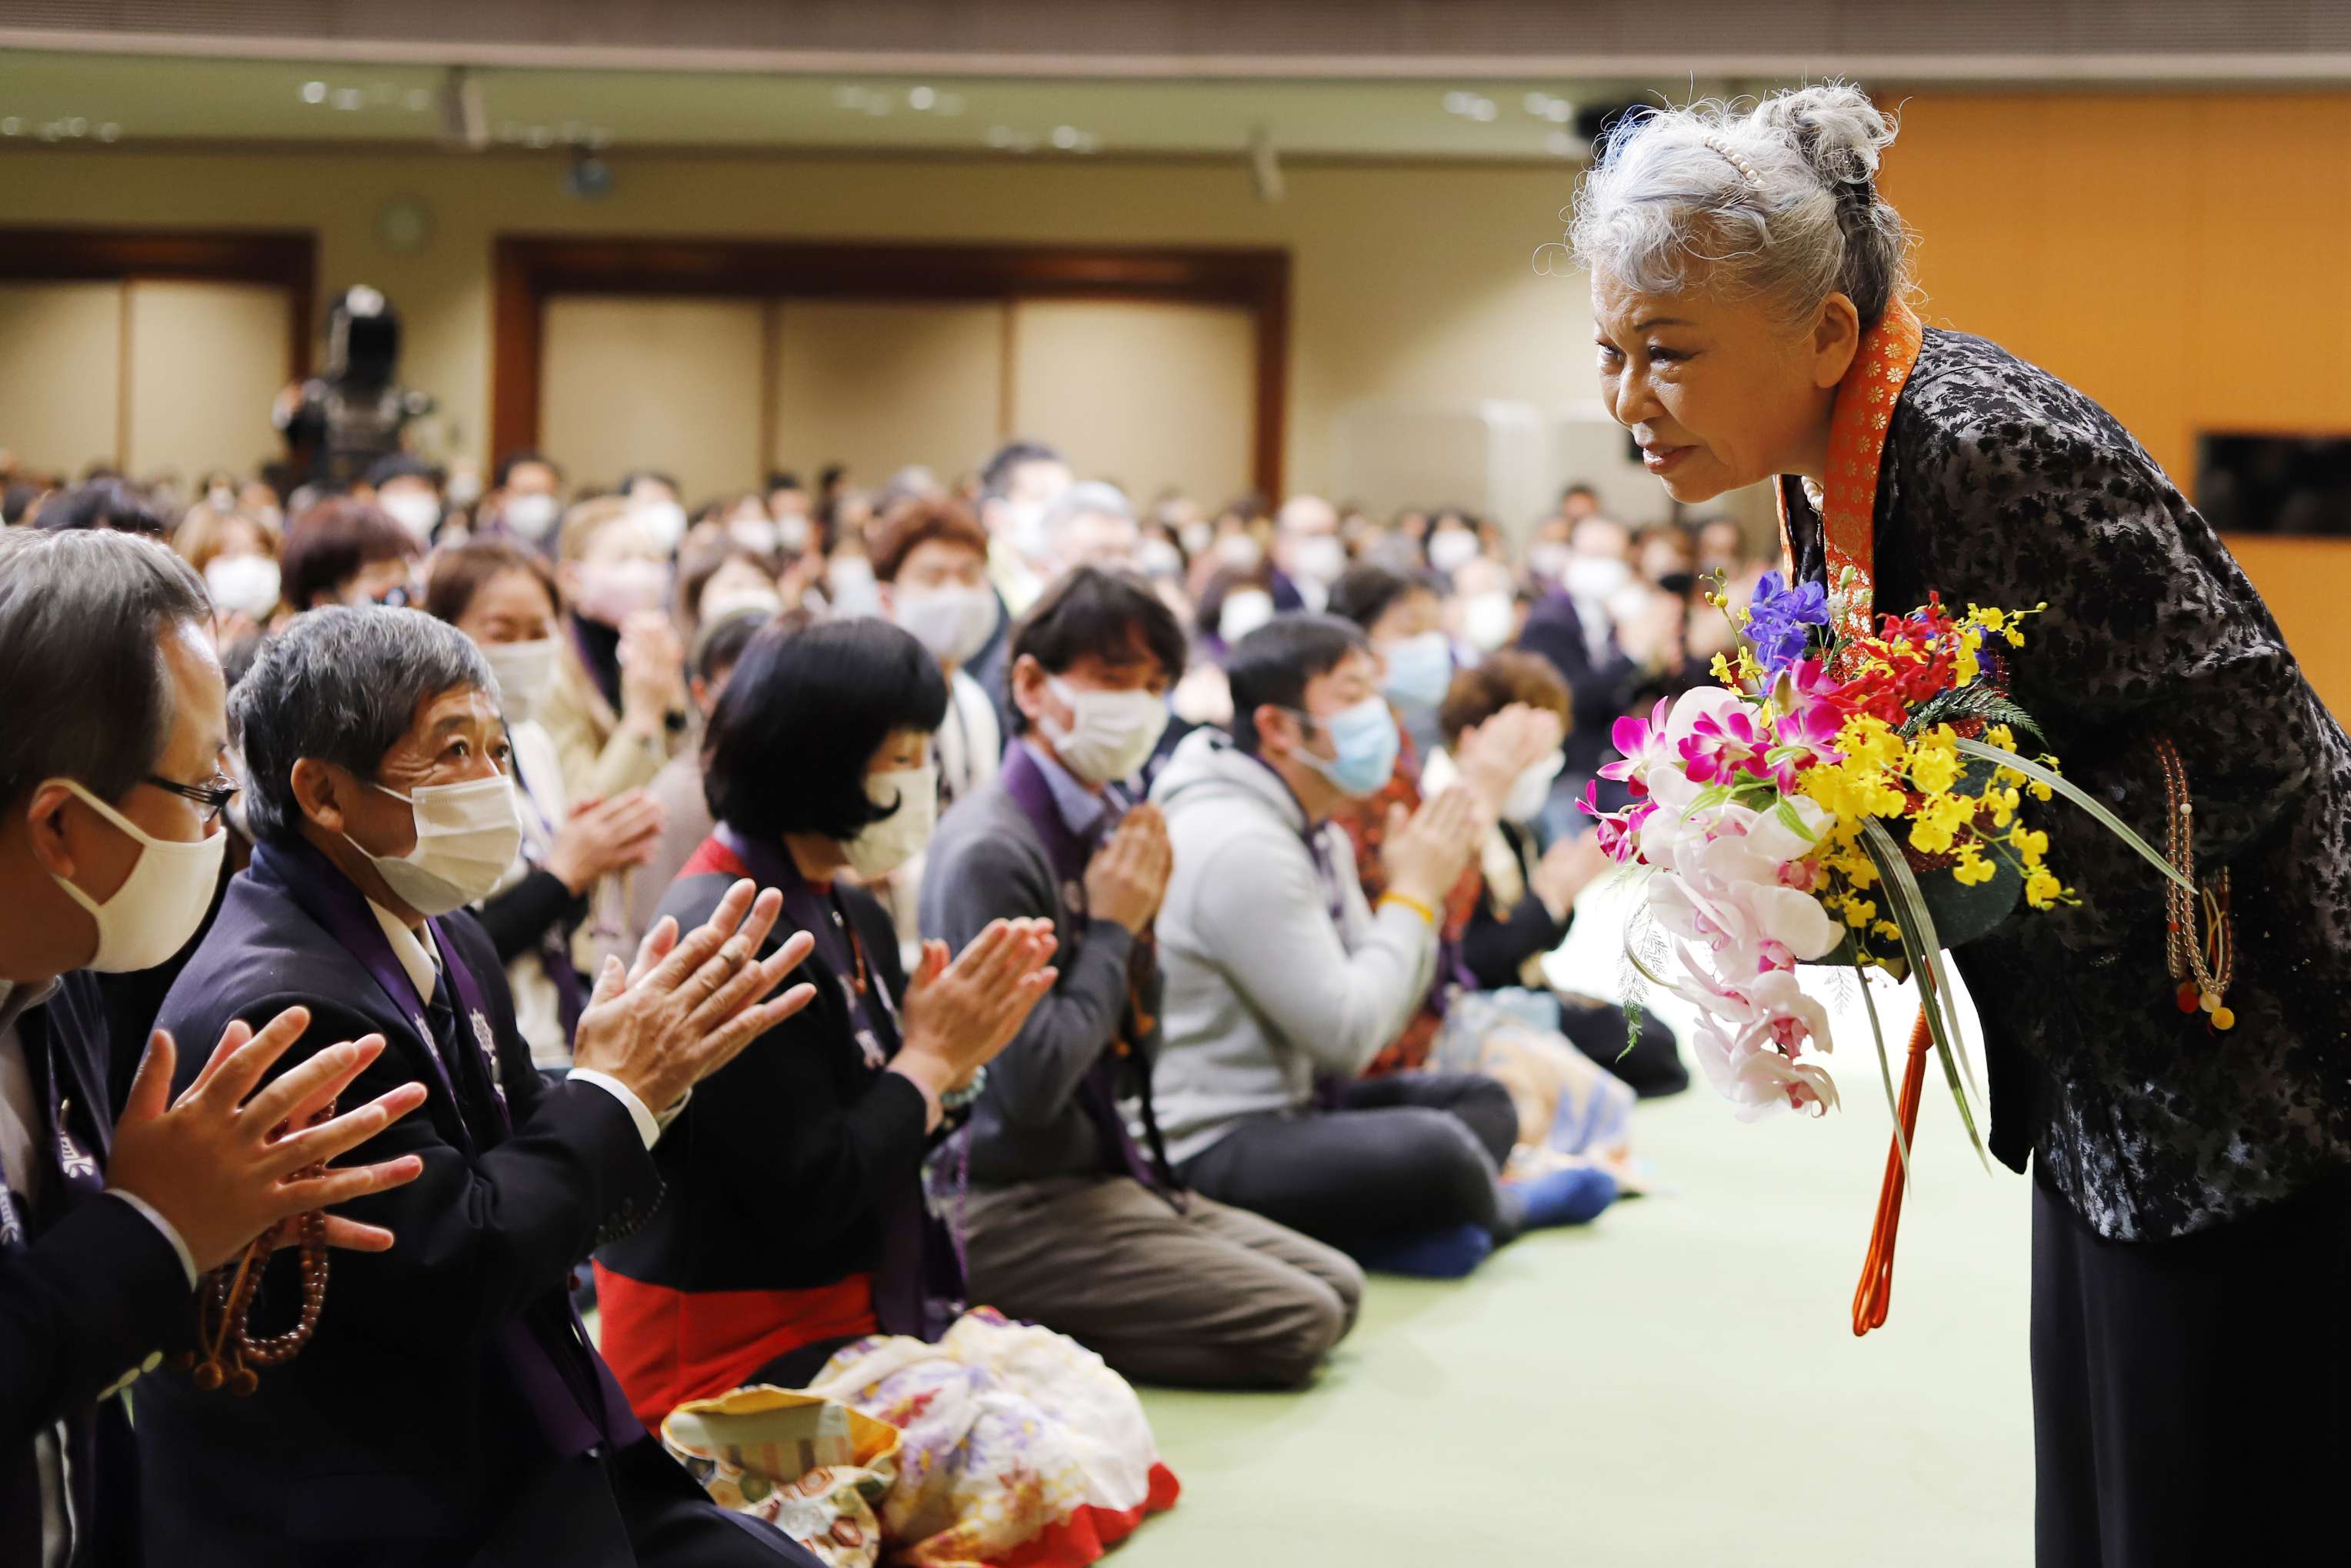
{"type": "Point", "coordinates": [1619, 832]}
{"type": "Point", "coordinates": [1720, 747]}
{"type": "Point", "coordinates": [1808, 708]}
{"type": "Point", "coordinates": [1641, 744]}
{"type": "Point", "coordinates": [1748, 1038]}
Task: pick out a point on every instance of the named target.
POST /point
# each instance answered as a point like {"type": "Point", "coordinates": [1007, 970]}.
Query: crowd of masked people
{"type": "Point", "coordinates": [853, 938]}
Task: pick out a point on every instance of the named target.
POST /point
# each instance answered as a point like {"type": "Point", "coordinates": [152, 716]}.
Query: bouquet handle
{"type": "Point", "coordinates": [1876, 1288]}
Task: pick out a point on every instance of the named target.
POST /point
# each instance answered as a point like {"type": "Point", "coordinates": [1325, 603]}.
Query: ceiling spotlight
{"type": "Point", "coordinates": [110, 131]}
{"type": "Point", "coordinates": [314, 92]}
{"type": "Point", "coordinates": [1066, 137]}
{"type": "Point", "coordinates": [12, 126]}
{"type": "Point", "coordinates": [850, 96]}
{"type": "Point", "coordinates": [1458, 102]}
{"type": "Point", "coordinates": [921, 98]}
{"type": "Point", "coordinates": [1536, 103]}
{"type": "Point", "coordinates": [1482, 110]}
{"type": "Point", "coordinates": [348, 98]}
{"type": "Point", "coordinates": [76, 126]}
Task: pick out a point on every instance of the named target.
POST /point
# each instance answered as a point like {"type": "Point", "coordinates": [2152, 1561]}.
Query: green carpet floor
{"type": "Point", "coordinates": [1679, 1384]}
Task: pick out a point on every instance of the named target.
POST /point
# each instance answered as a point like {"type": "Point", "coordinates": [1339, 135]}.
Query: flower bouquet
{"type": "Point", "coordinates": [1847, 794]}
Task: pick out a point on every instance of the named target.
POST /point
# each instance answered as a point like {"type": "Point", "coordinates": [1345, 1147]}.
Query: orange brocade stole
{"type": "Point", "coordinates": [1858, 422]}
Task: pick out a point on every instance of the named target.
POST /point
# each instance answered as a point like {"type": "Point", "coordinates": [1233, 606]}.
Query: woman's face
{"type": "Point", "coordinates": [240, 536]}
{"type": "Point", "coordinates": [905, 748]}
{"type": "Point", "coordinates": [512, 607]}
{"type": "Point", "coordinates": [1719, 392]}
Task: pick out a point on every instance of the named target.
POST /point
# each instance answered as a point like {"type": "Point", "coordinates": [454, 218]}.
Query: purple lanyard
{"type": "Point", "coordinates": [330, 898]}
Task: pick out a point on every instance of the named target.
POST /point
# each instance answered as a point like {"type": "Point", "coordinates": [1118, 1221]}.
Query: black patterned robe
{"type": "Point", "coordinates": [2002, 485]}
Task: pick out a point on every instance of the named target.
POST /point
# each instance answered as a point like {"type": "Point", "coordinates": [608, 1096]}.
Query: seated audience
{"type": "Point", "coordinates": [931, 560]}
{"type": "Point", "coordinates": [407, 490]}
{"type": "Point", "coordinates": [112, 782]}
{"type": "Point", "coordinates": [505, 601]}
{"type": "Point", "coordinates": [795, 1221]}
{"type": "Point", "coordinates": [525, 499]}
{"type": "Point", "coordinates": [237, 559]}
{"type": "Point", "coordinates": [1090, 524]}
{"type": "Point", "coordinates": [618, 709]}
{"type": "Point", "coordinates": [796, 1245]}
{"type": "Point", "coordinates": [1018, 483]}
{"type": "Point", "coordinates": [1278, 973]}
{"type": "Point", "coordinates": [447, 1408]}
{"type": "Point", "coordinates": [727, 579]}
{"type": "Point", "coordinates": [678, 789]}
{"type": "Point", "coordinates": [1404, 615]}
{"type": "Point", "coordinates": [1526, 897]}
{"type": "Point", "coordinates": [1307, 555]}
{"type": "Point", "coordinates": [344, 551]}
{"type": "Point", "coordinates": [1074, 1221]}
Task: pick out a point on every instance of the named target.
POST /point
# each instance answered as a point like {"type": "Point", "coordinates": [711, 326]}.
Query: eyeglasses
{"type": "Point", "coordinates": [214, 797]}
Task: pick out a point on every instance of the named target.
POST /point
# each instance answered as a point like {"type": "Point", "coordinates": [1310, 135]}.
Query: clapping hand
{"type": "Point", "coordinates": [214, 1161]}
{"type": "Point", "coordinates": [959, 1016]}
{"type": "Point", "coordinates": [1493, 755]}
{"type": "Point", "coordinates": [687, 1006]}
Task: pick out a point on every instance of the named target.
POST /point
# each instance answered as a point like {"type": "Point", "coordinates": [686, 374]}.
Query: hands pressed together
{"type": "Point", "coordinates": [960, 1015]}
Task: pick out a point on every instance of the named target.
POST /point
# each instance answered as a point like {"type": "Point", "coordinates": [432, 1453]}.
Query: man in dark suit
{"type": "Point", "coordinates": [109, 847]}
{"type": "Point", "coordinates": [449, 1408]}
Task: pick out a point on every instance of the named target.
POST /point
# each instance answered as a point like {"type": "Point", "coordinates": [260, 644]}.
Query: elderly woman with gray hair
{"type": "Point", "coordinates": [448, 1407]}
{"type": "Point", "coordinates": [2192, 1200]}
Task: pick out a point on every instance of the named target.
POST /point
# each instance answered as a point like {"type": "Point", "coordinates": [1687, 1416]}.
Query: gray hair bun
{"type": "Point", "coordinates": [1780, 199]}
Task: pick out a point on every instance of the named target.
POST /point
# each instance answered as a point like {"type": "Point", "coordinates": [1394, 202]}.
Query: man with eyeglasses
{"type": "Point", "coordinates": [112, 794]}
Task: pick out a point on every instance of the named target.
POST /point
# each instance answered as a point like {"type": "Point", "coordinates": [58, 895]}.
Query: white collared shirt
{"type": "Point", "coordinates": [420, 960]}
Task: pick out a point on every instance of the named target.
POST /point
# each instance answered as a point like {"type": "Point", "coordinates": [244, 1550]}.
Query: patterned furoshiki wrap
{"type": "Point", "coordinates": [1018, 1447]}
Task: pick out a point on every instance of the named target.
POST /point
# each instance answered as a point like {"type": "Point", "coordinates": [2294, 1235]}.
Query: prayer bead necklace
{"type": "Point", "coordinates": [225, 1303]}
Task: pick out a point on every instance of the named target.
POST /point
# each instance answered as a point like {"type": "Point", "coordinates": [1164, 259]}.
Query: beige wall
{"type": "Point", "coordinates": [207, 360]}
{"type": "Point", "coordinates": [672, 385]}
{"type": "Point", "coordinates": [1416, 283]}
{"type": "Point", "coordinates": [878, 386]}
{"type": "Point", "coordinates": [1148, 395]}
{"type": "Point", "coordinates": [60, 372]}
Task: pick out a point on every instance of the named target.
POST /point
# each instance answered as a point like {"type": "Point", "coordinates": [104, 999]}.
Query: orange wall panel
{"type": "Point", "coordinates": [2183, 258]}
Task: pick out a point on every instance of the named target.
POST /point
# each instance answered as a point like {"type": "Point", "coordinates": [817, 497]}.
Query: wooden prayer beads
{"type": "Point", "coordinates": [225, 1317]}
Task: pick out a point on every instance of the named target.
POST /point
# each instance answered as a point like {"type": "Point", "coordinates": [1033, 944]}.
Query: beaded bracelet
{"type": "Point", "coordinates": [962, 1099]}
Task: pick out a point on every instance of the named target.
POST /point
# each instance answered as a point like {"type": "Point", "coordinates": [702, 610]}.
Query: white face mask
{"type": "Point", "coordinates": [1196, 537]}
{"type": "Point", "coordinates": [611, 592]}
{"type": "Point", "coordinates": [795, 531]}
{"type": "Point", "coordinates": [1243, 613]}
{"type": "Point", "coordinates": [1111, 735]}
{"type": "Point", "coordinates": [666, 519]}
{"type": "Point", "coordinates": [416, 512]}
{"type": "Point", "coordinates": [759, 601]}
{"type": "Point", "coordinates": [1531, 790]}
{"type": "Point", "coordinates": [1594, 578]}
{"type": "Point", "coordinates": [247, 584]}
{"type": "Point", "coordinates": [755, 533]}
{"type": "Point", "coordinates": [160, 903]}
{"type": "Point", "coordinates": [1488, 621]}
{"type": "Point", "coordinates": [531, 516]}
{"type": "Point", "coordinates": [466, 836]}
{"type": "Point", "coordinates": [1318, 558]}
{"type": "Point", "coordinates": [525, 673]}
{"type": "Point", "coordinates": [465, 485]}
{"type": "Point", "coordinates": [881, 847]}
{"type": "Point", "coordinates": [1241, 551]}
{"type": "Point", "coordinates": [1452, 549]}
{"type": "Point", "coordinates": [953, 623]}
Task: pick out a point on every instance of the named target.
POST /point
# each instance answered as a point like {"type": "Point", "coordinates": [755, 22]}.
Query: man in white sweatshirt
{"type": "Point", "coordinates": [1282, 982]}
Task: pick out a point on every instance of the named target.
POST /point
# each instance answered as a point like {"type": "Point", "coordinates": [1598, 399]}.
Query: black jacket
{"type": "Point", "coordinates": [403, 1432]}
{"type": "Point", "coordinates": [783, 1165]}
{"type": "Point", "coordinates": [95, 1293]}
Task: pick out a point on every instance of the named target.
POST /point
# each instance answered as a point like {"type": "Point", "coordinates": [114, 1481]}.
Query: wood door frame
{"type": "Point", "coordinates": [287, 258]}
{"type": "Point", "coordinates": [531, 269]}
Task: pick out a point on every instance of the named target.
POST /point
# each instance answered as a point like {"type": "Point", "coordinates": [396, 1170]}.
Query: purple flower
{"type": "Point", "coordinates": [1781, 619]}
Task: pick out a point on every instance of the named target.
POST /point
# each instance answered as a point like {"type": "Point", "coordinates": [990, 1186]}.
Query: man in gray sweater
{"type": "Point", "coordinates": [1073, 1216]}
{"type": "Point", "coordinates": [1282, 982]}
